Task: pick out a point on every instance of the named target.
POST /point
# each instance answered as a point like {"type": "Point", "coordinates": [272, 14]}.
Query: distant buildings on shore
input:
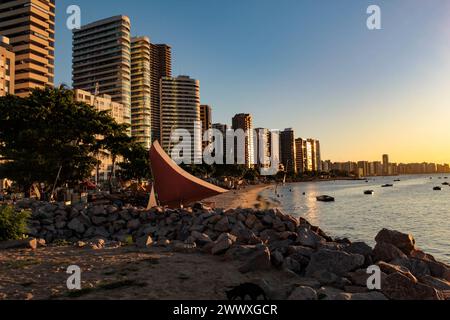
{"type": "Point", "coordinates": [383, 168]}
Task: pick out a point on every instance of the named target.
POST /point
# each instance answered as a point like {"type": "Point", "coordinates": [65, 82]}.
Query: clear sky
{"type": "Point", "coordinates": [308, 64]}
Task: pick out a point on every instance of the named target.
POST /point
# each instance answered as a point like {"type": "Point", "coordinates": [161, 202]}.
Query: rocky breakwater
{"type": "Point", "coordinates": [322, 267]}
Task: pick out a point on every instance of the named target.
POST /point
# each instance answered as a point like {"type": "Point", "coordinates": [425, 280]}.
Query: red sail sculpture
{"type": "Point", "coordinates": [174, 186]}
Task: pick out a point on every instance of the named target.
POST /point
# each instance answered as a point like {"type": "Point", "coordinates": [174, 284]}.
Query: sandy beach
{"type": "Point", "coordinates": [248, 197]}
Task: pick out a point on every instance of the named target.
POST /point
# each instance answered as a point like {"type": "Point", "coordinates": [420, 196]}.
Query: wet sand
{"type": "Point", "coordinates": [248, 197]}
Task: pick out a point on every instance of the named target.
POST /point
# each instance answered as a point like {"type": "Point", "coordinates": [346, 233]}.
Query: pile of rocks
{"type": "Point", "coordinates": [259, 240]}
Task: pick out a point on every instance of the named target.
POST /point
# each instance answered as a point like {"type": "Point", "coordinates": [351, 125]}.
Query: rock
{"type": "Point", "coordinates": [438, 284]}
{"type": "Point", "coordinates": [185, 248]}
{"type": "Point", "coordinates": [223, 225]}
{"type": "Point", "coordinates": [387, 252]}
{"type": "Point", "coordinates": [303, 293]}
{"type": "Point", "coordinates": [292, 265]}
{"type": "Point", "coordinates": [76, 225]}
{"type": "Point", "coordinates": [391, 269]}
{"type": "Point", "coordinates": [101, 232]}
{"type": "Point", "coordinates": [258, 260]}
{"type": "Point", "coordinates": [133, 224]}
{"type": "Point", "coordinates": [397, 286]}
{"type": "Point", "coordinates": [360, 248]}
{"type": "Point", "coordinates": [80, 244]}
{"type": "Point", "coordinates": [98, 244]}
{"type": "Point", "coordinates": [200, 238]}
{"type": "Point", "coordinates": [417, 267]}
{"type": "Point", "coordinates": [360, 277]}
{"type": "Point", "coordinates": [251, 220]}
{"type": "Point", "coordinates": [304, 251]}
{"type": "Point", "coordinates": [325, 277]}
{"type": "Point", "coordinates": [337, 262]}
{"type": "Point", "coordinates": [144, 242]}
{"type": "Point", "coordinates": [405, 242]}
{"type": "Point", "coordinates": [279, 226]}
{"type": "Point", "coordinates": [269, 235]}
{"type": "Point", "coordinates": [439, 270]}
{"type": "Point", "coordinates": [30, 243]}
{"type": "Point", "coordinates": [98, 211]}
{"type": "Point", "coordinates": [98, 220]}
{"type": "Point", "coordinates": [276, 258]}
{"type": "Point", "coordinates": [329, 293]}
{"type": "Point", "coordinates": [308, 238]}
{"type": "Point", "coordinates": [288, 235]}
{"type": "Point", "coordinates": [223, 243]}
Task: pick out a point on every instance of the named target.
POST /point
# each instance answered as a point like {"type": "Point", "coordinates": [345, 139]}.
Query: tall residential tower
{"type": "Point", "coordinates": [30, 27]}
{"type": "Point", "coordinates": [141, 91]}
{"type": "Point", "coordinates": [102, 60]}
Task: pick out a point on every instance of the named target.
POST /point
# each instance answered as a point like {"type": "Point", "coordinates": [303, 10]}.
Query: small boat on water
{"type": "Point", "coordinates": [437, 188]}
{"type": "Point", "coordinates": [325, 198]}
{"type": "Point", "coordinates": [445, 184]}
{"type": "Point", "coordinates": [397, 180]}
{"type": "Point", "coordinates": [369, 192]}
{"type": "Point", "coordinates": [387, 185]}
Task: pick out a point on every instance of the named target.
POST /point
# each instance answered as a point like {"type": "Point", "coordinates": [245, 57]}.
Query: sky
{"type": "Point", "coordinates": [312, 65]}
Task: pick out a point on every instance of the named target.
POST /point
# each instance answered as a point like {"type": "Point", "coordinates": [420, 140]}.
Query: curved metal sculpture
{"type": "Point", "coordinates": [174, 186]}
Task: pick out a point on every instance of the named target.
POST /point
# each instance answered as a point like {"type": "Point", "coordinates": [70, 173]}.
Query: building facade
{"type": "Point", "coordinates": [30, 27]}
{"type": "Point", "coordinates": [206, 119]}
{"type": "Point", "coordinates": [117, 111]}
{"type": "Point", "coordinates": [141, 91]}
{"type": "Point", "coordinates": [244, 121]}
{"type": "Point", "coordinates": [7, 67]}
{"type": "Point", "coordinates": [160, 67]}
{"type": "Point", "coordinates": [288, 153]}
{"type": "Point", "coordinates": [180, 109]}
{"type": "Point", "coordinates": [102, 60]}
{"type": "Point", "coordinates": [263, 147]}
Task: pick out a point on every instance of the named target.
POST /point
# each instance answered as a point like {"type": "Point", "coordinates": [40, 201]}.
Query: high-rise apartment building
{"type": "Point", "coordinates": [385, 164]}
{"type": "Point", "coordinates": [7, 67]}
{"type": "Point", "coordinates": [141, 91]}
{"type": "Point", "coordinates": [180, 109]}
{"type": "Point", "coordinates": [263, 147]}
{"type": "Point", "coordinates": [160, 67]}
{"type": "Point", "coordinates": [102, 60]}
{"type": "Point", "coordinates": [288, 154]}
{"type": "Point", "coordinates": [316, 160]}
{"type": "Point", "coordinates": [30, 27]}
{"type": "Point", "coordinates": [301, 156]}
{"type": "Point", "coordinates": [223, 128]}
{"type": "Point", "coordinates": [206, 119]}
{"type": "Point", "coordinates": [308, 156]}
{"type": "Point", "coordinates": [244, 122]}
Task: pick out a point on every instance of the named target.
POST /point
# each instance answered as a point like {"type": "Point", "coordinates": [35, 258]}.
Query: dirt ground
{"type": "Point", "coordinates": [121, 273]}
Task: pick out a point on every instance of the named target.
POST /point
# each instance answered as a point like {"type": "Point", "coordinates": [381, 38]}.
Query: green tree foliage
{"type": "Point", "coordinates": [136, 165]}
{"type": "Point", "coordinates": [13, 225]}
{"type": "Point", "coordinates": [49, 130]}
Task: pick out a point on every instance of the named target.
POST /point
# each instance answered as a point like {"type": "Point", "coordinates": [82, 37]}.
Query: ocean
{"type": "Point", "coordinates": [411, 206]}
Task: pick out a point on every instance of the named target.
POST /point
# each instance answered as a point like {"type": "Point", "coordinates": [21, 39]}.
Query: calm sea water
{"type": "Point", "coordinates": [411, 206]}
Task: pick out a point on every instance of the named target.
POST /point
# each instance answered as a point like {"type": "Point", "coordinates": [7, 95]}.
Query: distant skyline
{"type": "Point", "coordinates": [310, 65]}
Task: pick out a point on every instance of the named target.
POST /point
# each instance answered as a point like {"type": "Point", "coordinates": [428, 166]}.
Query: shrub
{"type": "Point", "coordinates": [13, 225]}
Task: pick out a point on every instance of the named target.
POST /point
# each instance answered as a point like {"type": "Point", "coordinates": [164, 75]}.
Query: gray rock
{"type": "Point", "coordinates": [223, 243]}
{"type": "Point", "coordinates": [292, 265]}
{"type": "Point", "coordinates": [417, 267]}
{"type": "Point", "coordinates": [76, 225]}
{"type": "Point", "coordinates": [133, 224]}
{"type": "Point", "coordinates": [405, 242]}
{"type": "Point", "coordinates": [98, 211]}
{"type": "Point", "coordinates": [308, 238]}
{"type": "Point", "coordinates": [222, 225]}
{"type": "Point", "coordinates": [438, 284]}
{"type": "Point", "coordinates": [397, 286]}
{"type": "Point", "coordinates": [337, 262]}
{"type": "Point", "coordinates": [303, 293]}
{"type": "Point", "coordinates": [387, 252]}
{"type": "Point", "coordinates": [98, 220]}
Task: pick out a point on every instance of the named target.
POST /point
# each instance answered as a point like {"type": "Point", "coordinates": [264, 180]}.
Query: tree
{"type": "Point", "coordinates": [49, 132]}
{"type": "Point", "coordinates": [136, 165]}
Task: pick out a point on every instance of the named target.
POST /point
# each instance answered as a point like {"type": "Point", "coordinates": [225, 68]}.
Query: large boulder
{"type": "Point", "coordinates": [417, 267]}
{"type": "Point", "coordinates": [438, 284]}
{"type": "Point", "coordinates": [405, 242]}
{"type": "Point", "coordinates": [337, 262]}
{"type": "Point", "coordinates": [303, 293]}
{"type": "Point", "coordinates": [223, 243]}
{"type": "Point", "coordinates": [398, 286]}
{"type": "Point", "coordinates": [387, 252]}
{"type": "Point", "coordinates": [308, 238]}
{"type": "Point", "coordinates": [76, 225]}
{"type": "Point", "coordinates": [223, 225]}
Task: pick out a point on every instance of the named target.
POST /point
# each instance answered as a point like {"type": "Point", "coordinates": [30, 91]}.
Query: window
{"type": "Point", "coordinates": [8, 67]}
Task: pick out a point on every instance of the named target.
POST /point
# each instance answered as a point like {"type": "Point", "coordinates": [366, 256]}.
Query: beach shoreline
{"type": "Point", "coordinates": [247, 197]}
